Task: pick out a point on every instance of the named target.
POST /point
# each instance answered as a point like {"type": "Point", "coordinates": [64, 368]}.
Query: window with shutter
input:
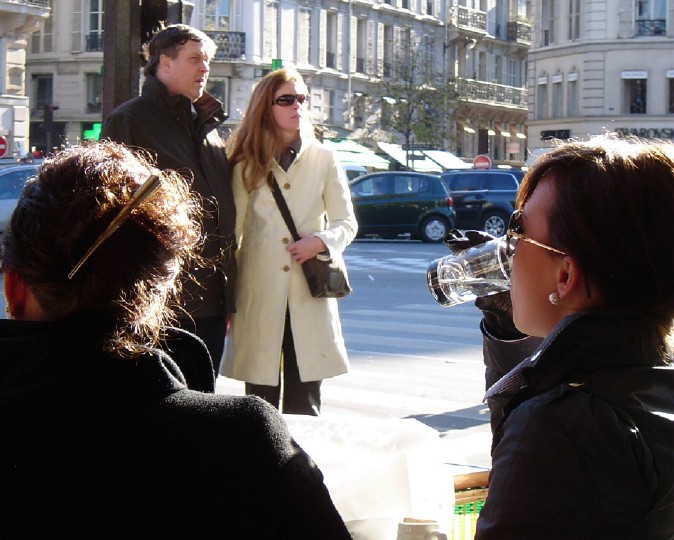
{"type": "Point", "coordinates": [322, 37]}
{"type": "Point", "coordinates": [76, 40]}
{"type": "Point", "coordinates": [270, 46]}
{"type": "Point", "coordinates": [94, 36]}
{"type": "Point", "coordinates": [304, 36]}
{"type": "Point", "coordinates": [354, 39]}
{"type": "Point", "coordinates": [371, 51]}
{"type": "Point", "coordinates": [339, 45]}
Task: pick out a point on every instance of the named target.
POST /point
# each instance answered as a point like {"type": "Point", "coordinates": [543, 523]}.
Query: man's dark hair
{"type": "Point", "coordinates": [169, 40]}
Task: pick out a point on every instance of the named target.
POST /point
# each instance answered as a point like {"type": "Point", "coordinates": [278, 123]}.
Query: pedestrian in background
{"type": "Point", "coordinates": [282, 341]}
{"type": "Point", "coordinates": [585, 447]}
{"type": "Point", "coordinates": [177, 120]}
{"type": "Point", "coordinates": [100, 436]}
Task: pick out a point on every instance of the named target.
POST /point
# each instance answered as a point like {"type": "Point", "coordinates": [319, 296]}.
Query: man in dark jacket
{"type": "Point", "coordinates": [177, 121]}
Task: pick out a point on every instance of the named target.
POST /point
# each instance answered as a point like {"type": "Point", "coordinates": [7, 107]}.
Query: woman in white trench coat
{"type": "Point", "coordinates": [282, 342]}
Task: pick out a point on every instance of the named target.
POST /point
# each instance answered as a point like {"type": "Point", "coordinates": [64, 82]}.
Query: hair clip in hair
{"type": "Point", "coordinates": [143, 192]}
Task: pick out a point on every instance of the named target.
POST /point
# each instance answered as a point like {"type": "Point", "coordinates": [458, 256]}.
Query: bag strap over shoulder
{"type": "Point", "coordinates": [283, 206]}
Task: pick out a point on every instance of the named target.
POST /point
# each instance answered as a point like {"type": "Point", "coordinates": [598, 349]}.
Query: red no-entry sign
{"type": "Point", "coordinates": [3, 146]}
{"type": "Point", "coordinates": [482, 161]}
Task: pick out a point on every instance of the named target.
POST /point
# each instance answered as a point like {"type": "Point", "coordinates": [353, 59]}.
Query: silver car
{"type": "Point", "coordinates": [12, 180]}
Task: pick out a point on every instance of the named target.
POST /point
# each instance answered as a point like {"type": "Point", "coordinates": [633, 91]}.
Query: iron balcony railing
{"type": "Point", "coordinates": [654, 27]}
{"type": "Point", "coordinates": [94, 41]}
{"type": "Point", "coordinates": [36, 3]}
{"type": "Point", "coordinates": [231, 45]}
{"type": "Point", "coordinates": [520, 32]}
{"type": "Point", "coordinates": [491, 93]}
{"type": "Point", "coordinates": [470, 19]}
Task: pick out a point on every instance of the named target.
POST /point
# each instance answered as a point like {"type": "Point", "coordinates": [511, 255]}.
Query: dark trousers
{"type": "Point", "coordinates": [291, 396]}
{"type": "Point", "coordinates": [211, 330]}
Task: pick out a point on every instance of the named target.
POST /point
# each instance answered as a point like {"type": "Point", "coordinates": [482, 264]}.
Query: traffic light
{"type": "Point", "coordinates": [91, 131]}
{"type": "Point", "coordinates": [152, 14]}
{"type": "Point", "coordinates": [155, 12]}
{"type": "Point", "coordinates": [48, 125]}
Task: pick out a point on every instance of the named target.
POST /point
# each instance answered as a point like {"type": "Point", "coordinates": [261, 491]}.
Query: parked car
{"type": "Point", "coordinates": [12, 179]}
{"type": "Point", "coordinates": [353, 171]}
{"type": "Point", "coordinates": [484, 199]}
{"type": "Point", "coordinates": [389, 204]}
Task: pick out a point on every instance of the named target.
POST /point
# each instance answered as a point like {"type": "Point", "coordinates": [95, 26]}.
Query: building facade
{"type": "Point", "coordinates": [488, 43]}
{"type": "Point", "coordinates": [345, 49]}
{"type": "Point", "coordinates": [18, 19]}
{"type": "Point", "coordinates": [600, 65]}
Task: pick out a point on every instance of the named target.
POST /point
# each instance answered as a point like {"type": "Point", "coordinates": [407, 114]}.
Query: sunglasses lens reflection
{"type": "Point", "coordinates": [511, 244]}
{"type": "Point", "coordinates": [287, 100]}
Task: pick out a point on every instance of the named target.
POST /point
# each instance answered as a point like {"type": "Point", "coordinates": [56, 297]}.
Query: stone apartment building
{"type": "Point", "coordinates": [343, 48]}
{"type": "Point", "coordinates": [18, 19]}
{"type": "Point", "coordinates": [600, 65]}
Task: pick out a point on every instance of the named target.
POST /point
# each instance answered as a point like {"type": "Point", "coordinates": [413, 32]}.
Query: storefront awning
{"type": "Point", "coordinates": [431, 161]}
{"type": "Point", "coordinates": [447, 159]}
{"type": "Point", "coordinates": [350, 152]}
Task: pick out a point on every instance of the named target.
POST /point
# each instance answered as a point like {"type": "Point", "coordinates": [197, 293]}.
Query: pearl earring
{"type": "Point", "coordinates": [553, 297]}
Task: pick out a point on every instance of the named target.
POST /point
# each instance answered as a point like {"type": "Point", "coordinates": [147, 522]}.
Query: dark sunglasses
{"type": "Point", "coordinates": [287, 100]}
{"type": "Point", "coordinates": [515, 233]}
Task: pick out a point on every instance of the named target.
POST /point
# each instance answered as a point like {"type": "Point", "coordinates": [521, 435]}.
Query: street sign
{"type": "Point", "coordinates": [3, 146]}
{"type": "Point", "coordinates": [482, 161]}
{"type": "Point", "coordinates": [417, 146]}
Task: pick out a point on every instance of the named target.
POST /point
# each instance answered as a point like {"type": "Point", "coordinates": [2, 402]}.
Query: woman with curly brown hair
{"type": "Point", "coordinates": [101, 436]}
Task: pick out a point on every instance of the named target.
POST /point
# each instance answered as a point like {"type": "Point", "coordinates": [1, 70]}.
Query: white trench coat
{"type": "Point", "coordinates": [317, 194]}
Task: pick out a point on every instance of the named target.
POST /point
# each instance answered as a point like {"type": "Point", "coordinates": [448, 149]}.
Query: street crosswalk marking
{"type": "Point", "coordinates": [408, 265]}
{"type": "Point", "coordinates": [428, 330]}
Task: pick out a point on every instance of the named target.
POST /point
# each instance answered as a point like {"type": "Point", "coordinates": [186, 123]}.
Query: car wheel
{"type": "Point", "coordinates": [434, 229]}
{"type": "Point", "coordinates": [495, 223]}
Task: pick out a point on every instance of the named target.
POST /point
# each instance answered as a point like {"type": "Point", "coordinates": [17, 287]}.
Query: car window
{"type": "Point", "coordinates": [362, 188]}
{"type": "Point", "coordinates": [12, 183]}
{"type": "Point", "coordinates": [350, 174]}
{"type": "Point", "coordinates": [409, 184]}
{"type": "Point", "coordinates": [465, 182]}
{"type": "Point", "coordinates": [369, 187]}
{"type": "Point", "coordinates": [502, 182]}
{"type": "Point", "coordinates": [380, 185]}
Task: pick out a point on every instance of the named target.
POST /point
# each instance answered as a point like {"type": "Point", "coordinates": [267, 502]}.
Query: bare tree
{"type": "Point", "coordinates": [414, 102]}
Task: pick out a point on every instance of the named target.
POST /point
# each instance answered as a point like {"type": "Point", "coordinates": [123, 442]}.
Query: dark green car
{"type": "Point", "coordinates": [390, 204]}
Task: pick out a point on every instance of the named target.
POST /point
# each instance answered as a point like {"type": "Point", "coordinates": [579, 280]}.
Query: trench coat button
{"type": "Point", "coordinates": [286, 268]}
{"type": "Point", "coordinates": [286, 186]}
{"type": "Point", "coordinates": [285, 240]}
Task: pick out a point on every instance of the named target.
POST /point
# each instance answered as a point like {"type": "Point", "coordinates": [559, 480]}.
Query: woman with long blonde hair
{"type": "Point", "coordinates": [282, 341]}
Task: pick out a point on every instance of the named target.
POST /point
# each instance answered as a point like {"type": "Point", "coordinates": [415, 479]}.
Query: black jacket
{"type": "Point", "coordinates": [163, 124]}
{"type": "Point", "coordinates": [499, 357]}
{"type": "Point", "coordinates": [100, 447]}
{"type": "Point", "coordinates": [586, 448]}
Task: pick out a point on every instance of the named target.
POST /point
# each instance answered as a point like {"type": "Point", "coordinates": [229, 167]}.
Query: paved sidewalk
{"type": "Point", "coordinates": [465, 450]}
